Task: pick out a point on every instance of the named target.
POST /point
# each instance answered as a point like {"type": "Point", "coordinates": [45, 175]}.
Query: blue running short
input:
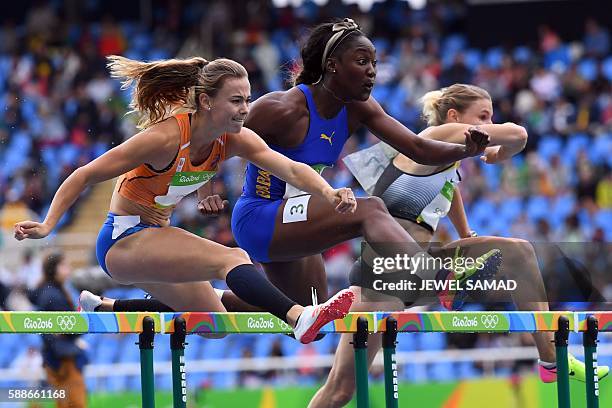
{"type": "Point", "coordinates": [253, 222]}
{"type": "Point", "coordinates": [105, 236]}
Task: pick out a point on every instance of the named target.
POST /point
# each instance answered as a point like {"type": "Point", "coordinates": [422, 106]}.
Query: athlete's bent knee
{"type": "Point", "coordinates": [373, 210]}
{"type": "Point", "coordinates": [232, 258]}
{"type": "Point", "coordinates": [375, 204]}
{"type": "Point", "coordinates": [522, 248]}
{"type": "Point", "coordinates": [240, 255]}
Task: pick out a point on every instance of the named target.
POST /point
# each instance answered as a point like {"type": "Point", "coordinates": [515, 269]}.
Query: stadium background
{"type": "Point", "coordinates": [547, 65]}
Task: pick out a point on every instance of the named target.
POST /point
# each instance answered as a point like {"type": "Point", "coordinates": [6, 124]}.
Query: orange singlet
{"type": "Point", "coordinates": [153, 194]}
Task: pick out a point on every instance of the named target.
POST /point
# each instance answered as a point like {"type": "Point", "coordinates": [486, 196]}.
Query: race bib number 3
{"type": "Point", "coordinates": [296, 209]}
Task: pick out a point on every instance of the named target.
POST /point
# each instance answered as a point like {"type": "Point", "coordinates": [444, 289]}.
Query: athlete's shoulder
{"type": "Point", "coordinates": [164, 133]}
{"type": "Point", "coordinates": [280, 108]}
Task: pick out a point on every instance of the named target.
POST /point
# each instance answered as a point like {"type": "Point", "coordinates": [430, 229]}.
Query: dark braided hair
{"type": "Point", "coordinates": [312, 52]}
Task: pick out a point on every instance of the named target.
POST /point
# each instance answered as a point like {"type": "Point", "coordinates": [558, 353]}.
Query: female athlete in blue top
{"type": "Point", "coordinates": [285, 229]}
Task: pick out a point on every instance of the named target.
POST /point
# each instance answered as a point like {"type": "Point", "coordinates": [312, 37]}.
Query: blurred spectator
{"type": "Point", "coordinates": [5, 289]}
{"type": "Point", "coordinates": [275, 351]}
{"type": "Point", "coordinates": [570, 232]}
{"type": "Point", "coordinates": [542, 231]}
{"type": "Point", "coordinates": [457, 73]}
{"type": "Point", "coordinates": [596, 39]}
{"type": "Point", "coordinates": [604, 191]}
{"type": "Point", "coordinates": [249, 378]}
{"type": "Point", "coordinates": [63, 354]}
{"type": "Point", "coordinates": [523, 228]}
{"type": "Point", "coordinates": [338, 261]}
{"type": "Point", "coordinates": [267, 57]}
{"type": "Point", "coordinates": [14, 210]}
{"type": "Point", "coordinates": [513, 180]}
{"type": "Point", "coordinates": [111, 40]}
{"type": "Point", "coordinates": [42, 20]}
{"type": "Point", "coordinates": [559, 175]}
{"type": "Point", "coordinates": [537, 175]}
{"type": "Point", "coordinates": [598, 235]}
{"type": "Point", "coordinates": [477, 185]}
{"type": "Point", "coordinates": [587, 184]}
{"type": "Point", "coordinates": [306, 354]}
{"type": "Point", "coordinates": [30, 360]}
{"type": "Point", "coordinates": [30, 271]}
{"type": "Point", "coordinates": [549, 40]}
{"type": "Point", "coordinates": [545, 84]}
{"type": "Point", "coordinates": [563, 115]}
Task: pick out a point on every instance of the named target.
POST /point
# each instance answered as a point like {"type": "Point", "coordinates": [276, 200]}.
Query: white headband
{"type": "Point", "coordinates": [345, 26]}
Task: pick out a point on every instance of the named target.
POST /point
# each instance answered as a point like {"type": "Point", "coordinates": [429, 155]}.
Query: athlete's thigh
{"type": "Point", "coordinates": [186, 297]}
{"type": "Point", "coordinates": [321, 228]}
{"type": "Point", "coordinates": [518, 263]}
{"type": "Point", "coordinates": [489, 241]}
{"type": "Point", "coordinates": [419, 233]}
{"type": "Point", "coordinates": [169, 255]}
{"type": "Point", "coordinates": [471, 247]}
{"type": "Point", "coordinates": [296, 278]}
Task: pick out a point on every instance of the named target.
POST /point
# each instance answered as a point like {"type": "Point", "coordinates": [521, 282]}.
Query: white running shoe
{"type": "Point", "coordinates": [88, 301]}
{"type": "Point", "coordinates": [314, 317]}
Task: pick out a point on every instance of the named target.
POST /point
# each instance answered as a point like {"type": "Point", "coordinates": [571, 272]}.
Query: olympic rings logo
{"type": "Point", "coordinates": [66, 322]}
{"type": "Point", "coordinates": [489, 321]}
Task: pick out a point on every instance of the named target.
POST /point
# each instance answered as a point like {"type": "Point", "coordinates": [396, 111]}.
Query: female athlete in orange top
{"type": "Point", "coordinates": [192, 113]}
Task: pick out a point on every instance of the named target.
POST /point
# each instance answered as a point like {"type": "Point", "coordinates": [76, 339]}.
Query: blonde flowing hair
{"type": "Point", "coordinates": [167, 87]}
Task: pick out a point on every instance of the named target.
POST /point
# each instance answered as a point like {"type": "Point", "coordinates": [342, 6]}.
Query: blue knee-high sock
{"type": "Point", "coordinates": [249, 285]}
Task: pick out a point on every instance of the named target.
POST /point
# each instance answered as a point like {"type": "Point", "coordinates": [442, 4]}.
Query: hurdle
{"type": "Point", "coordinates": [178, 325]}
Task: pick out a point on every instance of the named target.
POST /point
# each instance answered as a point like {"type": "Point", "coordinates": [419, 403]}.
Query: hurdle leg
{"type": "Point", "coordinates": [145, 343]}
{"type": "Point", "coordinates": [391, 382]}
{"type": "Point", "coordinates": [589, 341]}
{"type": "Point", "coordinates": [177, 346]}
{"type": "Point", "coordinates": [360, 345]}
{"type": "Point", "coordinates": [561, 343]}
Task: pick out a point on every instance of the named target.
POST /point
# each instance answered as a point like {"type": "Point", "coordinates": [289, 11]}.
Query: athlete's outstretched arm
{"type": "Point", "coordinates": [145, 147]}
{"type": "Point", "coordinates": [248, 145]}
{"type": "Point", "coordinates": [421, 150]}
{"type": "Point", "coordinates": [506, 139]}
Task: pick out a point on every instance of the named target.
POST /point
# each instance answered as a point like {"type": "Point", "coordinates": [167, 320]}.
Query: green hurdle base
{"type": "Point", "coordinates": [360, 345]}
{"type": "Point", "coordinates": [145, 343]}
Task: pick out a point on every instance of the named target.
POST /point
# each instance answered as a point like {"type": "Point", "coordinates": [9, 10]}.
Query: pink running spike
{"type": "Point", "coordinates": [547, 375]}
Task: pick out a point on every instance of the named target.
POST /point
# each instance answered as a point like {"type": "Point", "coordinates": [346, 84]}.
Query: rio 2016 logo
{"type": "Point", "coordinates": [66, 322]}
{"type": "Point", "coordinates": [489, 321]}
{"type": "Point", "coordinates": [266, 324]}
{"type": "Point", "coordinates": [37, 324]}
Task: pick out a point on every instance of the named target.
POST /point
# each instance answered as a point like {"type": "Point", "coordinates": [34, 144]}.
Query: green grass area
{"type": "Point", "coordinates": [494, 392]}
